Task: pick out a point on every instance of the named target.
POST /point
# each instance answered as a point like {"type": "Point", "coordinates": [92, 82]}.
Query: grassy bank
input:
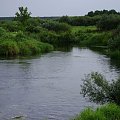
{"type": "Point", "coordinates": [90, 36]}
{"type": "Point", "coordinates": [106, 112]}
{"type": "Point", "coordinates": [16, 43]}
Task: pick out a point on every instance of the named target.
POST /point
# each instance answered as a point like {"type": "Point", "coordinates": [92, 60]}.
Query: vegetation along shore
{"type": "Point", "coordinates": [26, 35]}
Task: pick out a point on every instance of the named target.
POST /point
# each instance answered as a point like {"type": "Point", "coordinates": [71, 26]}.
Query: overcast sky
{"type": "Point", "coordinates": [57, 7]}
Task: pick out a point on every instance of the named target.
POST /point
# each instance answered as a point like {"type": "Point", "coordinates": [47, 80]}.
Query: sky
{"type": "Point", "coordinates": [44, 8]}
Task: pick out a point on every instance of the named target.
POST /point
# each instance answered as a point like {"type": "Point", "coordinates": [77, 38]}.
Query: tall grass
{"type": "Point", "coordinates": [115, 54]}
{"type": "Point", "coordinates": [106, 112]}
{"type": "Point", "coordinates": [84, 29]}
{"type": "Point", "coordinates": [88, 36]}
{"type": "Point", "coordinates": [9, 47]}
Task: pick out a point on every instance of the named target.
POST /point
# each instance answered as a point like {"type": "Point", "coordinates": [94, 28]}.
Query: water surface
{"type": "Point", "coordinates": [48, 87]}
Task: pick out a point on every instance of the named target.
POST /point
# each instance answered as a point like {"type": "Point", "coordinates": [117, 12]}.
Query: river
{"type": "Point", "coordinates": [48, 86]}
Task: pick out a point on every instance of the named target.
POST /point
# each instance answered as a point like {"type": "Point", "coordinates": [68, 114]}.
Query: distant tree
{"type": "Point", "coordinates": [91, 13]}
{"type": "Point", "coordinates": [65, 19]}
{"type": "Point", "coordinates": [109, 22]}
{"type": "Point", "coordinates": [22, 15]}
{"type": "Point", "coordinates": [112, 12]}
{"type": "Point", "coordinates": [102, 12]}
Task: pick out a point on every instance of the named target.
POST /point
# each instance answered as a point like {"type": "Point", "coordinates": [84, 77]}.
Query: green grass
{"type": "Point", "coordinates": [115, 54]}
{"type": "Point", "coordinates": [106, 112]}
{"type": "Point", "coordinates": [26, 47]}
{"type": "Point", "coordinates": [89, 36]}
{"type": "Point", "coordinates": [83, 28]}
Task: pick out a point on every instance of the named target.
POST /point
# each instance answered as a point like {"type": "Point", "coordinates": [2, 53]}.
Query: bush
{"type": "Point", "coordinates": [99, 39]}
{"type": "Point", "coordinates": [106, 112]}
{"type": "Point", "coordinates": [33, 25]}
{"type": "Point", "coordinates": [33, 29]}
{"type": "Point", "coordinates": [99, 90]}
{"type": "Point", "coordinates": [19, 44]}
{"type": "Point", "coordinates": [12, 26]}
{"type": "Point", "coordinates": [2, 31]}
{"type": "Point", "coordinates": [114, 43]}
{"type": "Point", "coordinates": [20, 36]}
{"type": "Point", "coordinates": [92, 39]}
{"type": "Point", "coordinates": [66, 38]}
{"type": "Point", "coordinates": [109, 22]}
{"type": "Point", "coordinates": [8, 48]}
{"type": "Point", "coordinates": [114, 54]}
{"type": "Point", "coordinates": [49, 37]}
{"type": "Point", "coordinates": [56, 26]}
{"type": "Point", "coordinates": [32, 47]}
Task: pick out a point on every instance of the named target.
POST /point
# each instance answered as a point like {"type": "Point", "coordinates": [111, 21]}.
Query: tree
{"type": "Point", "coordinates": [99, 90]}
{"type": "Point", "coordinates": [22, 15]}
{"type": "Point", "coordinates": [108, 22]}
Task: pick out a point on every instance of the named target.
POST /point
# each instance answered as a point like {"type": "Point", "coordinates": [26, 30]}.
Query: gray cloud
{"type": "Point", "coordinates": [57, 7]}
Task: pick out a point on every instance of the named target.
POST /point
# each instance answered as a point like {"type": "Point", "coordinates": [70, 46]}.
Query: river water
{"type": "Point", "coordinates": [48, 86]}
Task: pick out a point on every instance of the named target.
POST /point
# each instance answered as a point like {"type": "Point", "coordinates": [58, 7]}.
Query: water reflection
{"type": "Point", "coordinates": [49, 86]}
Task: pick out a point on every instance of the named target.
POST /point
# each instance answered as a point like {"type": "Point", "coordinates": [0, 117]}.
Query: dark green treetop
{"type": "Point", "coordinates": [22, 15]}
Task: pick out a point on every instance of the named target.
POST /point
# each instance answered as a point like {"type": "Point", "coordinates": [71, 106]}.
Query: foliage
{"type": "Point", "coordinates": [20, 36]}
{"type": "Point", "coordinates": [2, 31]}
{"type": "Point", "coordinates": [80, 20]}
{"type": "Point", "coordinates": [8, 48]}
{"type": "Point", "coordinates": [49, 37]}
{"type": "Point", "coordinates": [109, 22]}
{"type": "Point", "coordinates": [65, 19]}
{"type": "Point", "coordinates": [99, 39]}
{"type": "Point", "coordinates": [32, 47]}
{"type": "Point", "coordinates": [56, 26]}
{"type": "Point", "coordinates": [114, 54]}
{"type": "Point", "coordinates": [33, 25]}
{"type": "Point", "coordinates": [99, 90]}
{"type": "Point", "coordinates": [12, 26]}
{"type": "Point", "coordinates": [114, 43]}
{"type": "Point", "coordinates": [84, 29]}
{"type": "Point", "coordinates": [66, 38]}
{"type": "Point", "coordinates": [106, 112]}
{"type": "Point", "coordinates": [13, 44]}
{"type": "Point", "coordinates": [88, 36]}
{"type": "Point", "coordinates": [102, 12]}
{"type": "Point", "coordinates": [22, 15]}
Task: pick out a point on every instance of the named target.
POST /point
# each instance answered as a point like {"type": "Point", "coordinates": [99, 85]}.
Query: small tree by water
{"type": "Point", "coordinates": [99, 90]}
{"type": "Point", "coordinates": [23, 15]}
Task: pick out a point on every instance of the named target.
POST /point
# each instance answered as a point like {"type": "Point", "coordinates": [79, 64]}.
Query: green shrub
{"type": "Point", "coordinates": [32, 47]}
{"type": "Point", "coordinates": [13, 26]}
{"type": "Point", "coordinates": [99, 90]}
{"type": "Point", "coordinates": [92, 39]}
{"type": "Point", "coordinates": [56, 26]}
{"type": "Point", "coordinates": [24, 49]}
{"type": "Point", "coordinates": [99, 39]}
{"type": "Point", "coordinates": [2, 31]}
{"type": "Point", "coordinates": [108, 22]}
{"type": "Point", "coordinates": [114, 54]}
{"type": "Point", "coordinates": [8, 48]}
{"type": "Point", "coordinates": [66, 38]}
{"type": "Point", "coordinates": [114, 43]}
{"type": "Point", "coordinates": [45, 47]}
{"type": "Point", "coordinates": [33, 29]}
{"type": "Point", "coordinates": [20, 36]}
{"type": "Point", "coordinates": [49, 37]}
